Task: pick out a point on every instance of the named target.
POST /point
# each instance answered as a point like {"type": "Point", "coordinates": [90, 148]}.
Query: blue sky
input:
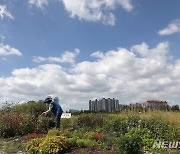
{"type": "Point", "coordinates": [80, 50]}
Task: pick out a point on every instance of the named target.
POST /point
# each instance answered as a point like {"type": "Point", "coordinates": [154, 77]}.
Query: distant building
{"type": "Point", "coordinates": [73, 111]}
{"type": "Point", "coordinates": [108, 105]}
{"type": "Point", "coordinates": [155, 104]}
{"type": "Point", "coordinates": [136, 105]}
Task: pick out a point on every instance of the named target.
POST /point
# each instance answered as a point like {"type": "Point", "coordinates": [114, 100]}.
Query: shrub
{"type": "Point", "coordinates": [90, 135]}
{"type": "Point", "coordinates": [91, 120]}
{"type": "Point", "coordinates": [49, 144]}
{"type": "Point", "coordinates": [82, 143]}
{"type": "Point", "coordinates": [33, 145]}
{"type": "Point", "coordinates": [175, 132]}
{"type": "Point", "coordinates": [33, 108]}
{"type": "Point", "coordinates": [117, 124]}
{"type": "Point", "coordinates": [12, 123]}
{"type": "Point", "coordinates": [72, 142]}
{"type": "Point", "coordinates": [146, 136]}
{"type": "Point", "coordinates": [69, 123]}
{"type": "Point", "coordinates": [129, 143]}
{"type": "Point", "coordinates": [54, 132]}
{"type": "Point", "coordinates": [159, 127]}
{"type": "Point", "coordinates": [121, 124]}
{"type": "Point", "coordinates": [136, 139]}
{"type": "Point", "coordinates": [44, 124]}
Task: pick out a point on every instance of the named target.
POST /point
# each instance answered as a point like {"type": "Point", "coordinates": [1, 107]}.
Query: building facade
{"type": "Point", "coordinates": [108, 105]}
{"type": "Point", "coordinates": [155, 104]}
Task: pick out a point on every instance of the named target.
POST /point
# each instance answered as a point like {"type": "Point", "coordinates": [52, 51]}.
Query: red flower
{"type": "Point", "coordinates": [99, 136]}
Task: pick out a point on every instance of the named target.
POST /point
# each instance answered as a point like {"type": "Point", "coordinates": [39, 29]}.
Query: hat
{"type": "Point", "coordinates": [48, 100]}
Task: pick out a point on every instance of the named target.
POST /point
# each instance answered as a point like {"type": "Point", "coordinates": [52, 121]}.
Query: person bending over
{"type": "Point", "coordinates": [55, 108]}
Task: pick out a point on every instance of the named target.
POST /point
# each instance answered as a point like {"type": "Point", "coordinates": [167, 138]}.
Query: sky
{"type": "Point", "coordinates": [79, 50]}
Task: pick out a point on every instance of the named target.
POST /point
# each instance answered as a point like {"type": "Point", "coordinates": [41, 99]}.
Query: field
{"type": "Point", "coordinates": [22, 130]}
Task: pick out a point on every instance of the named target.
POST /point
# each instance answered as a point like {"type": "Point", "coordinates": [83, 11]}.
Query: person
{"type": "Point", "coordinates": [55, 108]}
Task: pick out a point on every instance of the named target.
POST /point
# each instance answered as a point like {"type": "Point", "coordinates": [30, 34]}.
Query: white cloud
{"type": "Point", "coordinates": [6, 50]}
{"type": "Point", "coordinates": [39, 3]}
{"type": "Point", "coordinates": [120, 73]}
{"type": "Point", "coordinates": [97, 54]}
{"type": "Point", "coordinates": [144, 51]}
{"type": "Point", "coordinates": [67, 57]}
{"type": "Point", "coordinates": [4, 12]}
{"type": "Point", "coordinates": [96, 10]}
{"type": "Point", "coordinates": [173, 27]}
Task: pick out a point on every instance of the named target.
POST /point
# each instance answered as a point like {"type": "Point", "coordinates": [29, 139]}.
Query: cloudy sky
{"type": "Point", "coordinates": [86, 49]}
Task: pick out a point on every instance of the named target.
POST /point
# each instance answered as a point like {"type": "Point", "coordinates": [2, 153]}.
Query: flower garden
{"type": "Point", "coordinates": [127, 132]}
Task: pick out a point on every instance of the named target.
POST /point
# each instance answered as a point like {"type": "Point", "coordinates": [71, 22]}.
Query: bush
{"type": "Point", "coordinates": [146, 136]}
{"type": "Point", "coordinates": [33, 145]}
{"type": "Point", "coordinates": [69, 123]}
{"type": "Point", "coordinates": [12, 123]}
{"type": "Point", "coordinates": [54, 132]}
{"type": "Point", "coordinates": [174, 133]}
{"type": "Point", "coordinates": [135, 140]}
{"type": "Point", "coordinates": [82, 143]}
{"type": "Point", "coordinates": [159, 127]}
{"type": "Point", "coordinates": [121, 124]}
{"type": "Point", "coordinates": [91, 120]}
{"type": "Point", "coordinates": [44, 124]}
{"type": "Point", "coordinates": [33, 108]}
{"type": "Point", "coordinates": [90, 135]}
{"type": "Point", "coordinates": [49, 144]}
{"type": "Point", "coordinates": [117, 124]}
{"type": "Point", "coordinates": [130, 143]}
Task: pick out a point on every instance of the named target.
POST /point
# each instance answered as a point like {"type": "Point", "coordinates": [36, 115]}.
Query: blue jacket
{"type": "Point", "coordinates": [55, 108]}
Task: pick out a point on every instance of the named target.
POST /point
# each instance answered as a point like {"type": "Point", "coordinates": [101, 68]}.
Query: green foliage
{"type": "Point", "coordinates": [91, 120]}
{"type": "Point", "coordinates": [130, 143]}
{"type": "Point", "coordinates": [83, 143]}
{"type": "Point", "coordinates": [33, 108]}
{"type": "Point", "coordinates": [90, 135]}
{"type": "Point", "coordinates": [121, 124]}
{"type": "Point", "coordinates": [117, 124]}
{"type": "Point", "coordinates": [54, 132]}
{"type": "Point", "coordinates": [146, 136]}
{"type": "Point", "coordinates": [77, 138]}
{"type": "Point", "coordinates": [159, 127]}
{"type": "Point", "coordinates": [72, 142]}
{"type": "Point", "coordinates": [174, 133]}
{"type": "Point", "coordinates": [44, 124]}
{"type": "Point", "coordinates": [69, 123]}
{"type": "Point", "coordinates": [49, 144]}
{"type": "Point", "coordinates": [22, 119]}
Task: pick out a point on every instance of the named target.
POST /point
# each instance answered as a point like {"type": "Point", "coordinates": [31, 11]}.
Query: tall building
{"type": "Point", "coordinates": [108, 105]}
{"type": "Point", "coordinates": [155, 104]}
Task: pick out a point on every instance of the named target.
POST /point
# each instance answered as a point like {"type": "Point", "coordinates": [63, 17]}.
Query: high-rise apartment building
{"type": "Point", "coordinates": [109, 105]}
